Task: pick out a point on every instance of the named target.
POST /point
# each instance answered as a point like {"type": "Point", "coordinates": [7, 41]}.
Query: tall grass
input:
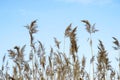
{"type": "Point", "coordinates": [58, 65]}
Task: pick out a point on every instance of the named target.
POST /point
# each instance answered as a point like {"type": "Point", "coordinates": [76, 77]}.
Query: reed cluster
{"type": "Point", "coordinates": [58, 65]}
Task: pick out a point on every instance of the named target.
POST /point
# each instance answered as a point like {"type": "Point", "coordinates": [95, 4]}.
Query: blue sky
{"type": "Point", "coordinates": [53, 16]}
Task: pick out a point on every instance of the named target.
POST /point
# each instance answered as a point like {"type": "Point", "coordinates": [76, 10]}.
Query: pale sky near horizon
{"type": "Point", "coordinates": [53, 16]}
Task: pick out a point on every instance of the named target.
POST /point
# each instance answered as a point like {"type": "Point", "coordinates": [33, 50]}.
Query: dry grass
{"type": "Point", "coordinates": [57, 66]}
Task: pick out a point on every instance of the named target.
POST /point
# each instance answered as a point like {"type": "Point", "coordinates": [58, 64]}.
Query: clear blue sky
{"type": "Point", "coordinates": [53, 17]}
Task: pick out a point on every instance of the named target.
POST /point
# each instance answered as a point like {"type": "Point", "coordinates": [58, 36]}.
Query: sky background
{"type": "Point", "coordinates": [53, 16]}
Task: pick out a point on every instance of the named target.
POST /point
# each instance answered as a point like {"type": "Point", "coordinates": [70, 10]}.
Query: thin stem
{"type": "Point", "coordinates": [119, 62]}
{"type": "Point", "coordinates": [92, 56]}
{"type": "Point", "coordinates": [64, 45]}
{"type": "Point", "coordinates": [33, 66]}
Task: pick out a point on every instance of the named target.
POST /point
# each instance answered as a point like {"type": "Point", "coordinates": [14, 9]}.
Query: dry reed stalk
{"type": "Point", "coordinates": [90, 29]}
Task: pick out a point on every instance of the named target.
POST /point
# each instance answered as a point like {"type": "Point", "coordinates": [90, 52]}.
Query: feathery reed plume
{"type": "Point", "coordinates": [73, 41]}
{"type": "Point", "coordinates": [32, 30]}
{"type": "Point", "coordinates": [42, 54]}
{"type": "Point", "coordinates": [67, 34]}
{"type": "Point", "coordinates": [117, 47]}
{"type": "Point", "coordinates": [68, 30]}
{"type": "Point", "coordinates": [117, 44]}
{"type": "Point", "coordinates": [103, 65]}
{"type": "Point", "coordinates": [57, 43]}
{"type": "Point", "coordinates": [83, 61]}
{"type": "Point", "coordinates": [72, 36]}
{"type": "Point", "coordinates": [12, 54]}
{"type": "Point", "coordinates": [90, 29]}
